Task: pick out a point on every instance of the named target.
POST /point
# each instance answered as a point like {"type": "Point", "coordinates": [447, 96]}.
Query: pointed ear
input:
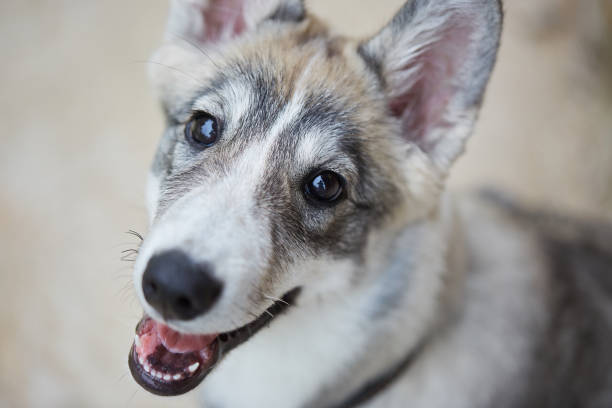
{"type": "Point", "coordinates": [195, 35]}
{"type": "Point", "coordinates": [434, 60]}
{"type": "Point", "coordinates": [213, 21]}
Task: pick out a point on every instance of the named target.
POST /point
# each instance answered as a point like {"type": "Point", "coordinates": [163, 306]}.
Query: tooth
{"type": "Point", "coordinates": [141, 360]}
{"type": "Point", "coordinates": [177, 377]}
{"type": "Point", "coordinates": [147, 368]}
{"type": "Point", "coordinates": [193, 367]}
{"type": "Point", "coordinates": [137, 340]}
{"type": "Point", "coordinates": [167, 377]}
{"type": "Point", "coordinates": [159, 375]}
{"type": "Point", "coordinates": [153, 372]}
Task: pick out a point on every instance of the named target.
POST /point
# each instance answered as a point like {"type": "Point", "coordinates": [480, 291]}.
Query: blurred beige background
{"type": "Point", "coordinates": [79, 126]}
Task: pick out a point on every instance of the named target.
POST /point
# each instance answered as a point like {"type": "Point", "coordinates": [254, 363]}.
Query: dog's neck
{"type": "Point", "coordinates": [485, 278]}
{"type": "Point", "coordinates": [404, 307]}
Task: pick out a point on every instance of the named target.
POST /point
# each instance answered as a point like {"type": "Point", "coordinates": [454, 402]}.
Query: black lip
{"type": "Point", "coordinates": [223, 344]}
{"type": "Point", "coordinates": [146, 381]}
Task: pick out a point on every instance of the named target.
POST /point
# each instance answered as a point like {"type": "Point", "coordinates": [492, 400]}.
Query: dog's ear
{"type": "Point", "coordinates": [214, 21]}
{"type": "Point", "coordinates": [196, 33]}
{"type": "Point", "coordinates": [434, 60]}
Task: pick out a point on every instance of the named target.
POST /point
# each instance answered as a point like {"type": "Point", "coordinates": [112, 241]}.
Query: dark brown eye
{"type": "Point", "coordinates": [202, 130]}
{"type": "Point", "coordinates": [324, 187]}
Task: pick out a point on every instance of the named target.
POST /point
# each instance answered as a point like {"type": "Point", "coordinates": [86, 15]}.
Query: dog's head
{"type": "Point", "coordinates": [290, 155]}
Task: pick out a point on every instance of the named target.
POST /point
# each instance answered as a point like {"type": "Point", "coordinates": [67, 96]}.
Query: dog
{"type": "Point", "coordinates": [302, 250]}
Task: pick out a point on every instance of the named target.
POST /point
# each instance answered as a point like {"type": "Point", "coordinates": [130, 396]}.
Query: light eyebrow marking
{"type": "Point", "coordinates": [292, 109]}
{"type": "Point", "coordinates": [236, 97]}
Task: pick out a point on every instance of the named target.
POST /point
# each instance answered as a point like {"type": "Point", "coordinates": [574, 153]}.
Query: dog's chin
{"type": "Point", "coordinates": [166, 362]}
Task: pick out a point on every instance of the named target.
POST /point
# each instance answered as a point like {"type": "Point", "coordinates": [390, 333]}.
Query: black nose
{"type": "Point", "coordinates": [179, 288]}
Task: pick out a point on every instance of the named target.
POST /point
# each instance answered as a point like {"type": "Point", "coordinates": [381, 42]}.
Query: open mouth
{"type": "Point", "coordinates": [166, 362]}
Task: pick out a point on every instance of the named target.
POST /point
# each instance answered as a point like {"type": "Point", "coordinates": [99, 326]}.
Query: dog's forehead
{"type": "Point", "coordinates": [263, 78]}
{"type": "Point", "coordinates": [309, 98]}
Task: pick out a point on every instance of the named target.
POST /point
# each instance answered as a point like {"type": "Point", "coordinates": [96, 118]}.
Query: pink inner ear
{"type": "Point", "coordinates": [424, 101]}
{"type": "Point", "coordinates": [224, 19]}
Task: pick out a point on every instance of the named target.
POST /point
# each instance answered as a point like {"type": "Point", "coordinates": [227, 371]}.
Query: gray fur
{"type": "Point", "coordinates": [293, 11]}
{"type": "Point", "coordinates": [572, 363]}
{"type": "Point", "coordinates": [512, 312]}
{"type": "Point", "coordinates": [571, 366]}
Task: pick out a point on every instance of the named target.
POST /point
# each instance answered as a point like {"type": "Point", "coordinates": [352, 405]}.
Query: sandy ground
{"type": "Point", "coordinates": [79, 128]}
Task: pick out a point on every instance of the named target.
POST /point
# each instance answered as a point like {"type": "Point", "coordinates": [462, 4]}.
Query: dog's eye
{"type": "Point", "coordinates": [325, 186]}
{"type": "Point", "coordinates": [202, 129]}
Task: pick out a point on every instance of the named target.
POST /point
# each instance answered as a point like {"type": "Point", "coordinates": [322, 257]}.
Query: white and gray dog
{"type": "Point", "coordinates": [302, 251]}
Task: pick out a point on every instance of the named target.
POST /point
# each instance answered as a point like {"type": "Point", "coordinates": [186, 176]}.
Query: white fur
{"type": "Point", "coordinates": [152, 195]}
{"type": "Point", "coordinates": [313, 347]}
{"type": "Point", "coordinates": [239, 98]}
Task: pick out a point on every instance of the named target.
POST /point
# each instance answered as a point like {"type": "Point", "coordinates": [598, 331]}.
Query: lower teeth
{"type": "Point", "coordinates": [167, 377]}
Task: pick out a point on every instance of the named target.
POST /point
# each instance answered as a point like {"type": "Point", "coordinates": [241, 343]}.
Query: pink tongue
{"type": "Point", "coordinates": [182, 343]}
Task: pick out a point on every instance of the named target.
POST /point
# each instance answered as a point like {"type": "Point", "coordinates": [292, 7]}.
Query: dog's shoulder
{"type": "Point", "coordinates": [573, 361]}
{"type": "Point", "coordinates": [578, 251]}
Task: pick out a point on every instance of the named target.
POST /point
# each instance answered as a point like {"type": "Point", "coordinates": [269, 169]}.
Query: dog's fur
{"type": "Point", "coordinates": [496, 308]}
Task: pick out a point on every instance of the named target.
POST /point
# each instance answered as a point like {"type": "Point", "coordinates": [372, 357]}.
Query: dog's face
{"type": "Point", "coordinates": [290, 159]}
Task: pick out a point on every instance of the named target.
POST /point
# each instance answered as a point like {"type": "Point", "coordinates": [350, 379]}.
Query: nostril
{"type": "Point", "coordinates": [214, 291]}
{"type": "Point", "coordinates": [149, 289]}
{"type": "Point", "coordinates": [183, 303]}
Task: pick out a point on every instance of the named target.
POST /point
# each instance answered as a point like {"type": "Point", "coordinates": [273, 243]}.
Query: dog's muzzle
{"type": "Point", "coordinates": [166, 362]}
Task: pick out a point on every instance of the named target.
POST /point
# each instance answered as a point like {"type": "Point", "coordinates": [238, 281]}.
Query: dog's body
{"type": "Point", "coordinates": [295, 158]}
{"type": "Point", "coordinates": [524, 321]}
